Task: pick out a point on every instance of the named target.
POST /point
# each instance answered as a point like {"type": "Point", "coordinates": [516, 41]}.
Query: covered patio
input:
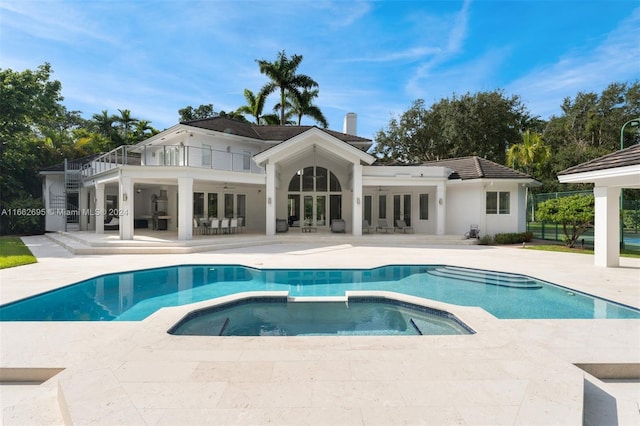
{"type": "Point", "coordinates": [609, 174]}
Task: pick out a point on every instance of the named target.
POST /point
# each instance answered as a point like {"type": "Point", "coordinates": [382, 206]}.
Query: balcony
{"type": "Point", "coordinates": [173, 156]}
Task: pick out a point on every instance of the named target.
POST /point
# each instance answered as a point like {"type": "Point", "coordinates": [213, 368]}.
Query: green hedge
{"type": "Point", "coordinates": [513, 238]}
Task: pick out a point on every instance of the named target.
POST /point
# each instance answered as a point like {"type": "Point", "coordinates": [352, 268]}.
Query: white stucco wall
{"type": "Point", "coordinates": [53, 185]}
{"type": "Point", "coordinates": [465, 207]}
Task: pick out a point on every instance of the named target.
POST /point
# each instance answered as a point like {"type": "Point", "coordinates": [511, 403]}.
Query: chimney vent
{"type": "Point", "coordinates": [350, 126]}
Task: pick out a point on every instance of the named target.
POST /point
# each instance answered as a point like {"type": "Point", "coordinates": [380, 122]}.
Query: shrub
{"type": "Point", "coordinates": [485, 240]}
{"type": "Point", "coordinates": [514, 238]}
{"type": "Point", "coordinates": [22, 216]}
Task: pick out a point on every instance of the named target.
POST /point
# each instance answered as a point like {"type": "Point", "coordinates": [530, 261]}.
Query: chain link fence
{"type": "Point", "coordinates": [553, 232]}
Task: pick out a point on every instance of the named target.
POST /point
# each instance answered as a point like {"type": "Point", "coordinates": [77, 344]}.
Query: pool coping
{"type": "Point", "coordinates": [511, 371]}
{"type": "Point", "coordinates": [173, 315]}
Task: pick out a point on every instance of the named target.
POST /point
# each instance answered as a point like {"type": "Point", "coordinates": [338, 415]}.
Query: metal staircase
{"type": "Point", "coordinates": [72, 184]}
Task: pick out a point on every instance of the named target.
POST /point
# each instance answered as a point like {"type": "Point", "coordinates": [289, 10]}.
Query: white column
{"type": "Point", "coordinates": [83, 196]}
{"type": "Point", "coordinates": [271, 199]}
{"type": "Point", "coordinates": [356, 211]}
{"type": "Point", "coordinates": [125, 208]}
{"type": "Point", "coordinates": [607, 226]}
{"type": "Point", "coordinates": [185, 208]}
{"type": "Point", "coordinates": [441, 208]}
{"type": "Point", "coordinates": [99, 210]}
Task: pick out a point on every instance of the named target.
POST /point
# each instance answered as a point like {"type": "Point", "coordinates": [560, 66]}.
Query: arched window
{"type": "Point", "coordinates": [314, 191]}
{"type": "Point", "coordinates": [314, 179]}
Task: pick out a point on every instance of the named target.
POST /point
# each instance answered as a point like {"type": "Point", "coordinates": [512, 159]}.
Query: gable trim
{"type": "Point", "coordinates": [299, 142]}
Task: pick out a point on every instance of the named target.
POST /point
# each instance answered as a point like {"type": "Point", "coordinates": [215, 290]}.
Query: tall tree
{"type": "Point", "coordinates": [255, 106]}
{"type": "Point", "coordinates": [483, 124]}
{"type": "Point", "coordinates": [589, 127]}
{"type": "Point", "coordinates": [29, 101]}
{"type": "Point", "coordinates": [529, 155]}
{"type": "Point", "coordinates": [127, 122]}
{"type": "Point", "coordinates": [202, 112]}
{"type": "Point", "coordinates": [300, 105]}
{"type": "Point", "coordinates": [282, 73]}
{"type": "Point", "coordinates": [144, 130]}
{"type": "Point", "coordinates": [104, 124]}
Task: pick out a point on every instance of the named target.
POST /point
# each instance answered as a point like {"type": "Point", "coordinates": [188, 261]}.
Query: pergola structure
{"type": "Point", "coordinates": [609, 174]}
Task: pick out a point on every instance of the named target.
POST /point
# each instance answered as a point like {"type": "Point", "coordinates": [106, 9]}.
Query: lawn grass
{"type": "Point", "coordinates": [14, 253]}
{"type": "Point", "coordinates": [564, 249]}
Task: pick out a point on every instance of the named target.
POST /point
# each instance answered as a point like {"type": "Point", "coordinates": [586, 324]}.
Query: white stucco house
{"type": "Point", "coordinates": [264, 175]}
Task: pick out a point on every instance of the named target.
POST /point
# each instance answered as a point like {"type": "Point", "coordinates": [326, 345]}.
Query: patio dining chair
{"type": "Point", "coordinates": [224, 226]}
{"type": "Point", "coordinates": [233, 225]}
{"type": "Point", "coordinates": [214, 225]}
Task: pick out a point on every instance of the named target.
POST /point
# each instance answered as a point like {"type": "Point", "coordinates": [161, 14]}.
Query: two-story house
{"type": "Point", "coordinates": [220, 168]}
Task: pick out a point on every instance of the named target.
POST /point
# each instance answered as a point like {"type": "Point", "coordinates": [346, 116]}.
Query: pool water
{"type": "Point", "coordinates": [133, 296]}
{"type": "Point", "coordinates": [278, 317]}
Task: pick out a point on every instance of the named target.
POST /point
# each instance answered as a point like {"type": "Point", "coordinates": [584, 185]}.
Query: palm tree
{"type": "Point", "coordinates": [301, 104]}
{"type": "Point", "coordinates": [103, 123]}
{"type": "Point", "coordinates": [529, 154]}
{"type": "Point", "coordinates": [126, 121]}
{"type": "Point", "coordinates": [254, 106]}
{"type": "Point", "coordinates": [143, 130]}
{"type": "Point", "coordinates": [282, 73]}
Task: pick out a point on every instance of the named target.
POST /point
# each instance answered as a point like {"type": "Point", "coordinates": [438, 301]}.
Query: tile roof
{"type": "Point", "coordinates": [625, 157]}
{"type": "Point", "coordinates": [265, 133]}
{"type": "Point", "coordinates": [474, 167]}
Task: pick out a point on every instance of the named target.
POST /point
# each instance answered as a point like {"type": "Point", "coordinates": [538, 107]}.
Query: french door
{"type": "Point", "coordinates": [315, 210]}
{"type": "Point", "coordinates": [402, 208]}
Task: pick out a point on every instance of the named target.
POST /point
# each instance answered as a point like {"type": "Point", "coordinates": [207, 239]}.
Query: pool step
{"type": "Point", "coordinates": [483, 277]}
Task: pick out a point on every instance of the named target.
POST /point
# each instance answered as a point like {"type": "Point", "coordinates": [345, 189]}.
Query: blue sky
{"type": "Point", "coordinates": [373, 58]}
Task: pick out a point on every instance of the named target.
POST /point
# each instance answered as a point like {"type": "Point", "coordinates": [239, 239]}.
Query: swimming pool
{"type": "Point", "coordinates": [134, 295]}
{"type": "Point", "coordinates": [357, 316]}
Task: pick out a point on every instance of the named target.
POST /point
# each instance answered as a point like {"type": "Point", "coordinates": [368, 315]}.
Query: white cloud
{"type": "Point", "coordinates": [55, 21]}
{"type": "Point", "coordinates": [589, 69]}
{"type": "Point", "coordinates": [451, 47]}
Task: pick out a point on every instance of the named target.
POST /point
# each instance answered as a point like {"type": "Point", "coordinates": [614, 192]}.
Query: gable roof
{"type": "Point", "coordinates": [625, 157]}
{"type": "Point", "coordinates": [264, 133]}
{"type": "Point", "coordinates": [475, 167]}
{"type": "Point", "coordinates": [309, 138]}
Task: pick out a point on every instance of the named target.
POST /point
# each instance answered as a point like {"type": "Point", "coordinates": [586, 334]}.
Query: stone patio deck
{"type": "Point", "coordinates": [510, 372]}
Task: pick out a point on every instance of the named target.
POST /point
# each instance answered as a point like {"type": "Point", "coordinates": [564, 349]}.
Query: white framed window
{"type": "Point", "coordinates": [498, 202]}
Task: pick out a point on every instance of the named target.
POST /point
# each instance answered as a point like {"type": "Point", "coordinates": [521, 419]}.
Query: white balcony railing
{"type": "Point", "coordinates": [173, 156]}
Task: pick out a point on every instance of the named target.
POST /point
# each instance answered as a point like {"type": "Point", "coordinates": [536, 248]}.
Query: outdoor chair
{"type": "Point", "coordinates": [474, 232]}
{"type": "Point", "coordinates": [224, 226]}
{"type": "Point", "coordinates": [113, 224]}
{"type": "Point", "coordinates": [401, 225]}
{"type": "Point", "coordinates": [383, 226]}
{"type": "Point", "coordinates": [282, 225]}
{"type": "Point", "coordinates": [233, 225]}
{"type": "Point", "coordinates": [338, 225]}
{"type": "Point", "coordinates": [366, 227]}
{"type": "Point", "coordinates": [214, 225]}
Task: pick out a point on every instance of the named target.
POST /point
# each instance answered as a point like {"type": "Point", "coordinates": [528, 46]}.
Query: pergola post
{"type": "Point", "coordinates": [607, 226]}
